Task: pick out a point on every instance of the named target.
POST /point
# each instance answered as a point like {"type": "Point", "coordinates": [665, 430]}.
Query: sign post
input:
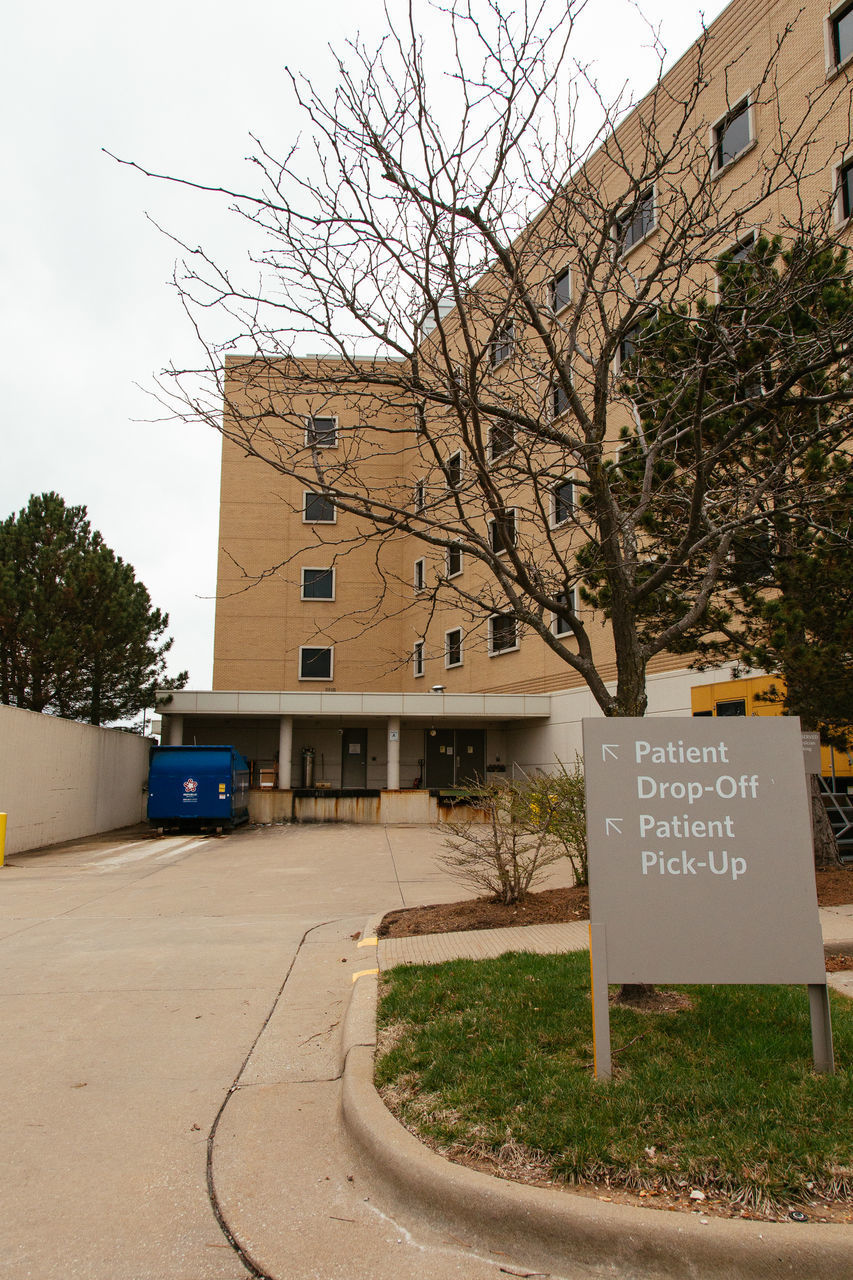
{"type": "Point", "coordinates": [700, 862]}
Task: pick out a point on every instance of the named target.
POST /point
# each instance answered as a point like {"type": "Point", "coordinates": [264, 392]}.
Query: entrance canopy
{"type": "Point", "coordinates": [356, 740]}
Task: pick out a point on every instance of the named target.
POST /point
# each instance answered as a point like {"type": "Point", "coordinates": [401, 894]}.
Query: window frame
{"type": "Point", "coordinates": [565, 275]}
{"type": "Point", "coordinates": [502, 344]}
{"type": "Point", "coordinates": [450, 666]}
{"type": "Point", "coordinates": [419, 575]}
{"type": "Point", "coordinates": [311, 568]}
{"type": "Point", "coordinates": [314, 493]}
{"type": "Point", "coordinates": [453, 463]}
{"type": "Point", "coordinates": [743, 106]}
{"type": "Point", "coordinates": [743, 246]}
{"type": "Point", "coordinates": [843, 188]}
{"type": "Point", "coordinates": [312, 439]}
{"type": "Point", "coordinates": [565, 482]}
{"type": "Point", "coordinates": [622, 224]}
{"type": "Point", "coordinates": [557, 394]}
{"type": "Point", "coordinates": [449, 571]}
{"type": "Point", "coordinates": [510, 522]}
{"type": "Point", "coordinates": [836, 15]}
{"type": "Point", "coordinates": [572, 605]}
{"type": "Point", "coordinates": [418, 659]}
{"type": "Point", "coordinates": [316, 648]}
{"type": "Point", "coordinates": [495, 652]}
{"type": "Point", "coordinates": [507, 431]}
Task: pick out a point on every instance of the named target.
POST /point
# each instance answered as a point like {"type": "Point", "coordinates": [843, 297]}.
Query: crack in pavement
{"type": "Point", "coordinates": [245, 1257]}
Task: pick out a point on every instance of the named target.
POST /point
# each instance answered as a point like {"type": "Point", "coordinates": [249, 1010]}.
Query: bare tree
{"type": "Point", "coordinates": [476, 276]}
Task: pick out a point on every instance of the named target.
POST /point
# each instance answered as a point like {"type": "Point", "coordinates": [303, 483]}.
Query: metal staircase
{"type": "Point", "coordinates": [839, 807]}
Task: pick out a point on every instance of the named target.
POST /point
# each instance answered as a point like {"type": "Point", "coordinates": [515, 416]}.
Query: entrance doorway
{"type": "Point", "coordinates": [354, 759]}
{"type": "Point", "coordinates": [454, 758]}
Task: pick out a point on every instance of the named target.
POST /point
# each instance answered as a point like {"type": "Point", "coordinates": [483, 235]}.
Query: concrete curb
{"type": "Point", "coordinates": [555, 1230]}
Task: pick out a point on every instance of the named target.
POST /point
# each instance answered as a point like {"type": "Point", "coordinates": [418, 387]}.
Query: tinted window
{"type": "Point", "coordinates": [561, 291]}
{"type": "Point", "coordinates": [318, 584]}
{"type": "Point", "coordinates": [637, 222]}
{"type": "Point", "coordinates": [732, 135]}
{"type": "Point", "coordinates": [842, 34]}
{"type": "Point", "coordinates": [503, 629]}
{"type": "Point", "coordinates": [315, 664]}
{"type": "Point", "coordinates": [319, 509]}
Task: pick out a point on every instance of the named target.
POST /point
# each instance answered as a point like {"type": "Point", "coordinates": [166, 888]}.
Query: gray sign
{"type": "Point", "coordinates": [811, 751]}
{"type": "Point", "coordinates": [700, 853]}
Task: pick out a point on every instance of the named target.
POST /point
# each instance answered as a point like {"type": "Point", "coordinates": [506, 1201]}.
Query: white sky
{"type": "Point", "coordinates": [88, 316]}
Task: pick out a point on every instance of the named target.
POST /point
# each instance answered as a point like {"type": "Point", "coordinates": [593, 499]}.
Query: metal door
{"type": "Point", "coordinates": [354, 759]}
{"type": "Point", "coordinates": [470, 757]}
{"type": "Point", "coordinates": [439, 759]}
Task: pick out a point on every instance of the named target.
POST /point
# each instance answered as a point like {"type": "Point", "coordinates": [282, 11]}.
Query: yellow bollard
{"type": "Point", "coordinates": [2, 838]}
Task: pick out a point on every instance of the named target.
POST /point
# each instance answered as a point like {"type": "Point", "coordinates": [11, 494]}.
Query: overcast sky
{"type": "Point", "coordinates": [88, 314]}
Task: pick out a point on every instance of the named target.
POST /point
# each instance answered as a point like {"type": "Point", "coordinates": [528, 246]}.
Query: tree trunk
{"type": "Point", "coordinates": [823, 837]}
{"type": "Point", "coordinates": [635, 992]}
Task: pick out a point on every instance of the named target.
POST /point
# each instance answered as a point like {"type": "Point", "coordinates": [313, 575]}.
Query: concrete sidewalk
{"type": "Point", "coordinates": [553, 939]}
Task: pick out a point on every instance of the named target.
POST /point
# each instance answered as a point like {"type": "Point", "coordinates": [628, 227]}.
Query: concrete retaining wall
{"type": "Point", "coordinates": [410, 807]}
{"type": "Point", "coordinates": [60, 780]}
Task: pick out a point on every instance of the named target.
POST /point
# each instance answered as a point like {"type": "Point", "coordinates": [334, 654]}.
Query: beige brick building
{"type": "Point", "coordinates": [382, 648]}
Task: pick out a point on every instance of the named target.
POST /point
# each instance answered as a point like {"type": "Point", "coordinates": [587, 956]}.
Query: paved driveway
{"type": "Point", "coordinates": [135, 978]}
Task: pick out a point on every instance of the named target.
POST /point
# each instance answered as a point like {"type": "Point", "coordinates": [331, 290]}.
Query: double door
{"type": "Point", "coordinates": [454, 758]}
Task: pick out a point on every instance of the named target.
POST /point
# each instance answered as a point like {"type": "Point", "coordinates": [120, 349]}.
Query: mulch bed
{"type": "Point", "coordinates": [554, 906]}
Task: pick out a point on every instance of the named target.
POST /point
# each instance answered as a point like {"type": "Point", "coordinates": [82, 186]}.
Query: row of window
{"type": "Point", "coordinates": [318, 663]}
{"type": "Point", "coordinates": [503, 637]}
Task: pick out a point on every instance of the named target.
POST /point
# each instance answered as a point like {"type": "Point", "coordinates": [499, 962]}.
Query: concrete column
{"type": "Point", "coordinates": [393, 780]}
{"type": "Point", "coordinates": [285, 751]}
{"type": "Point", "coordinates": [176, 731]}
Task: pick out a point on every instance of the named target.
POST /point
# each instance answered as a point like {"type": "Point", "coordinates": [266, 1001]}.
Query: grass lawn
{"type": "Point", "coordinates": [494, 1058]}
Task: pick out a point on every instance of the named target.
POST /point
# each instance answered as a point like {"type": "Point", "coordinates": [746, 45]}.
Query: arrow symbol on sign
{"type": "Point", "coordinates": [613, 824]}
{"type": "Point", "coordinates": [609, 748]}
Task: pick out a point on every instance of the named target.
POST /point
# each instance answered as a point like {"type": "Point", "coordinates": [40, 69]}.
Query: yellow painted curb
{"type": "Point", "coordinates": [368, 942]}
{"type": "Point", "coordinates": [363, 973]}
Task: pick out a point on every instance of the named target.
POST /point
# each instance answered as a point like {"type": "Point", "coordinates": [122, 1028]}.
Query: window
{"type": "Point", "coordinates": [742, 249]}
{"type": "Point", "coordinates": [845, 190]}
{"type": "Point", "coordinates": [563, 502]}
{"type": "Point", "coordinates": [318, 509]}
{"type": "Point", "coordinates": [418, 658]}
{"type": "Point", "coordinates": [453, 647]}
{"type": "Point", "coordinates": [731, 135]}
{"type": "Point", "coordinates": [453, 471]}
{"type": "Point", "coordinates": [502, 344]}
{"type": "Point", "coordinates": [561, 291]}
{"type": "Point", "coordinates": [561, 625]}
{"type": "Point", "coordinates": [318, 584]}
{"type": "Point", "coordinates": [321, 433]}
{"type": "Point", "coordinates": [501, 440]}
{"type": "Point", "coordinates": [637, 221]}
{"type": "Point", "coordinates": [420, 575]}
{"type": "Point", "coordinates": [502, 532]}
{"type": "Point", "coordinates": [315, 664]}
{"type": "Point", "coordinates": [503, 633]}
{"type": "Point", "coordinates": [841, 35]}
{"type": "Point", "coordinates": [454, 560]}
{"type": "Point", "coordinates": [733, 707]}
{"type": "Point", "coordinates": [628, 344]}
{"type": "Point", "coordinates": [559, 399]}
{"type": "Point", "coordinates": [420, 495]}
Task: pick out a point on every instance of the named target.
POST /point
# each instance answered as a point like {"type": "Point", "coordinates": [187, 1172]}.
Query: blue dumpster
{"type": "Point", "coordinates": [197, 787]}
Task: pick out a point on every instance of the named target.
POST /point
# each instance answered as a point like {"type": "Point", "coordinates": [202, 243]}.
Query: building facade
{"type": "Point", "coordinates": [376, 518]}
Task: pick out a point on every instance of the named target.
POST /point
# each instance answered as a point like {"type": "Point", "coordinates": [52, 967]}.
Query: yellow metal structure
{"type": "Point", "coordinates": [2, 838]}
{"type": "Point", "coordinates": [759, 696]}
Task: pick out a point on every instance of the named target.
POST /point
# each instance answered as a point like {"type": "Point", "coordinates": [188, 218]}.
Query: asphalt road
{"type": "Point", "coordinates": [136, 975]}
